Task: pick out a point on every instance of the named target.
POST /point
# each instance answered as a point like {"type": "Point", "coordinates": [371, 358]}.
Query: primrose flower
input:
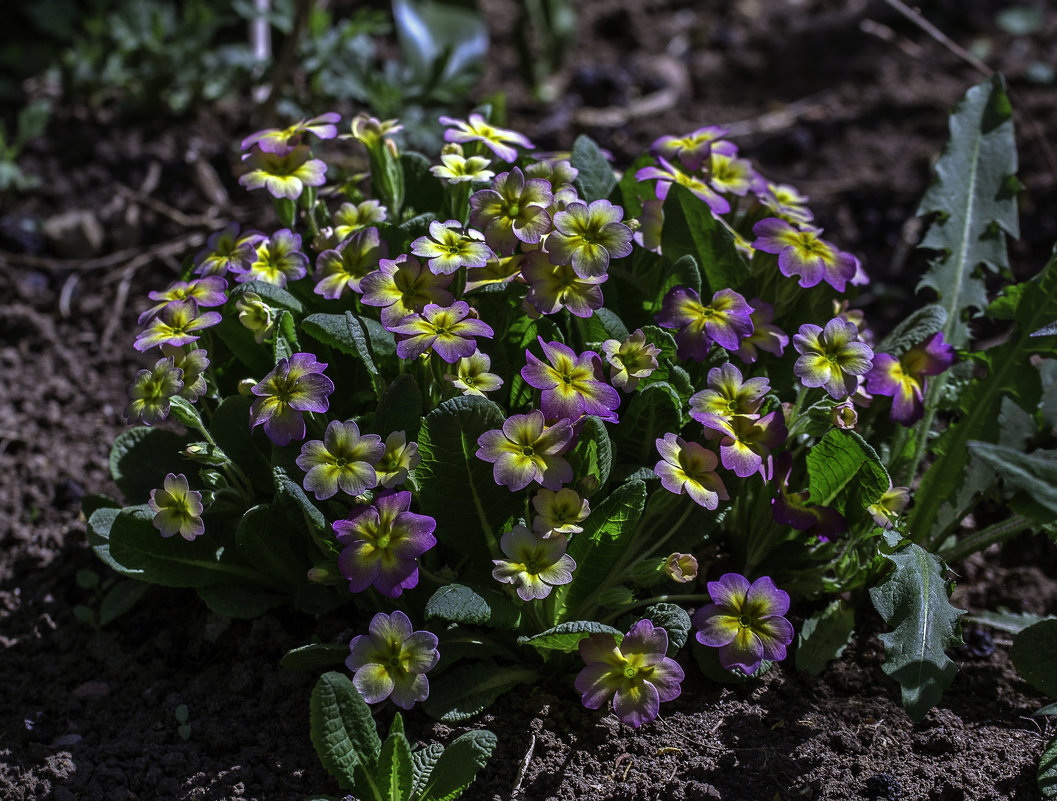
{"type": "Point", "coordinates": [764, 336]}
{"type": "Point", "coordinates": [729, 174]}
{"type": "Point", "coordinates": [691, 149]}
{"type": "Point", "coordinates": [630, 360]}
{"type": "Point", "coordinates": [284, 175]}
{"type": "Point", "coordinates": [371, 131]}
{"type": "Point", "coordinates": [256, 315]}
{"type": "Point", "coordinates": [681, 568]}
{"type": "Point", "coordinates": [449, 332]}
{"type": "Point", "coordinates": [344, 460]}
{"type": "Point", "coordinates": [176, 324]}
{"type": "Point", "coordinates": [346, 265]}
{"type": "Point", "coordinates": [294, 386]}
{"type": "Point", "coordinates": [801, 251]}
{"type": "Point", "coordinates": [526, 450]}
{"type": "Point", "coordinates": [889, 506]}
{"type": "Point", "coordinates": [279, 260]}
{"type": "Point", "coordinates": [571, 384]}
{"type": "Point", "coordinates": [448, 248]}
{"type": "Point", "coordinates": [226, 251]}
{"type": "Point", "coordinates": [455, 168]}
{"type": "Point", "coordinates": [588, 236]}
{"type": "Point", "coordinates": [904, 378]}
{"type": "Point", "coordinates": [668, 174]}
{"type": "Point", "coordinates": [787, 202]}
{"type": "Point", "coordinates": [555, 287]}
{"type": "Point", "coordinates": [691, 468]}
{"type": "Point", "coordinates": [382, 542]}
{"type": "Point", "coordinates": [636, 673]}
{"type": "Point", "coordinates": [559, 512]}
{"type": "Point", "coordinates": [745, 443]}
{"type": "Point", "coordinates": [513, 210]}
{"type": "Point", "coordinates": [207, 291]}
{"type": "Point", "coordinates": [728, 394]}
{"type": "Point", "coordinates": [831, 357]}
{"type": "Point", "coordinates": [282, 140]}
{"type": "Point", "coordinates": [152, 390]}
{"type": "Point", "coordinates": [471, 375]}
{"type": "Point", "coordinates": [177, 508]}
{"type": "Point", "coordinates": [403, 286]}
{"type": "Point", "coordinates": [560, 175]}
{"type": "Point", "coordinates": [793, 508]}
{"type": "Point", "coordinates": [352, 217]}
{"type": "Point", "coordinates": [399, 459]}
{"type": "Point", "coordinates": [534, 564]}
{"type": "Point", "coordinates": [499, 140]}
{"type": "Point", "coordinates": [391, 661]}
{"type": "Point", "coordinates": [744, 621]}
{"type": "Point", "coordinates": [193, 363]}
{"type": "Point", "coordinates": [726, 320]}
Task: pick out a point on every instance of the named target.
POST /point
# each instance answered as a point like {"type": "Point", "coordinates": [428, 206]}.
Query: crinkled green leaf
{"type": "Point", "coordinates": [141, 457]}
{"type": "Point", "coordinates": [593, 454]}
{"type": "Point", "coordinates": [360, 337]}
{"type": "Point", "coordinates": [596, 179]}
{"type": "Point", "coordinates": [1046, 776]}
{"type": "Point", "coordinates": [423, 761]}
{"type": "Point", "coordinates": [470, 688]}
{"type": "Point", "coordinates": [457, 767]}
{"type": "Point", "coordinates": [342, 728]}
{"type": "Point", "coordinates": [1034, 654]}
{"type": "Point", "coordinates": [457, 603]}
{"type": "Point", "coordinates": [914, 599]}
{"type": "Point", "coordinates": [674, 620]}
{"type": "Point", "coordinates": [918, 327]}
{"type": "Point", "coordinates": [565, 637]}
{"type": "Point", "coordinates": [824, 636]}
{"type": "Point", "coordinates": [690, 228]}
{"type": "Point", "coordinates": [974, 203]}
{"type": "Point", "coordinates": [271, 294]}
{"type": "Point", "coordinates": [843, 465]}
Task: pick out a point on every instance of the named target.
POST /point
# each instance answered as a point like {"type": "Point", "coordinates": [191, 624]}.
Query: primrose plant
{"type": "Point", "coordinates": [523, 417]}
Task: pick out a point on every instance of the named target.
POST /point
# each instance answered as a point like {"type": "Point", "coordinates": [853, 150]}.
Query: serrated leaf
{"type": "Point", "coordinates": [593, 454]}
{"type": "Point", "coordinates": [674, 620]}
{"type": "Point", "coordinates": [342, 728]}
{"type": "Point", "coordinates": [394, 764]}
{"type": "Point", "coordinates": [458, 489]}
{"type": "Point", "coordinates": [824, 636]}
{"type": "Point", "coordinates": [690, 228]}
{"type": "Point", "coordinates": [914, 599]}
{"type": "Point", "coordinates": [141, 457]}
{"type": "Point", "coordinates": [841, 464]}
{"type": "Point", "coordinates": [1034, 655]}
{"type": "Point", "coordinates": [974, 207]}
{"type": "Point", "coordinates": [1035, 473]}
{"type": "Point", "coordinates": [457, 603]}
{"type": "Point", "coordinates": [457, 767]}
{"type": "Point", "coordinates": [596, 179]}
{"type": "Point", "coordinates": [314, 656]}
{"type": "Point", "coordinates": [1046, 776]}
{"type": "Point", "coordinates": [470, 688]}
{"type": "Point", "coordinates": [565, 637]}
{"type": "Point", "coordinates": [1005, 620]}
{"type": "Point", "coordinates": [916, 328]}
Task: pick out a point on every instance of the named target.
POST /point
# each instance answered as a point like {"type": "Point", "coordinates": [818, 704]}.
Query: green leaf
{"type": "Point", "coordinates": [1005, 620]}
{"type": "Point", "coordinates": [916, 328]}
{"type": "Point", "coordinates": [230, 427]}
{"type": "Point", "coordinates": [842, 464]}
{"type": "Point", "coordinates": [975, 207]}
{"type": "Point", "coordinates": [469, 689]}
{"type": "Point", "coordinates": [266, 544]}
{"type": "Point", "coordinates": [240, 601]}
{"type": "Point", "coordinates": [690, 228]}
{"type": "Point", "coordinates": [593, 454]}
{"type": "Point", "coordinates": [342, 728]}
{"type": "Point", "coordinates": [1034, 655]}
{"type": "Point", "coordinates": [457, 767]}
{"type": "Point", "coordinates": [395, 770]}
{"type": "Point", "coordinates": [596, 179]}
{"type": "Point", "coordinates": [441, 41]}
{"type": "Point", "coordinates": [605, 324]}
{"type": "Point", "coordinates": [457, 488]}
{"type": "Point", "coordinates": [423, 761]}
{"type": "Point", "coordinates": [914, 599]}
{"type": "Point", "coordinates": [674, 620]}
{"type": "Point", "coordinates": [1046, 777]}
{"type": "Point", "coordinates": [400, 408]}
{"type": "Point", "coordinates": [565, 637]}
{"type": "Point", "coordinates": [99, 525]}
{"type": "Point", "coordinates": [457, 603]}
{"type": "Point", "coordinates": [271, 294]}
{"type": "Point", "coordinates": [141, 457]}
{"type": "Point", "coordinates": [360, 337]}
{"type": "Point", "coordinates": [421, 185]}
{"type": "Point", "coordinates": [314, 656]}
{"type": "Point", "coordinates": [120, 599]}
{"type": "Point", "coordinates": [652, 412]}
{"type": "Point", "coordinates": [824, 636]}
{"type": "Point", "coordinates": [1035, 473]}
{"type": "Point", "coordinates": [296, 504]}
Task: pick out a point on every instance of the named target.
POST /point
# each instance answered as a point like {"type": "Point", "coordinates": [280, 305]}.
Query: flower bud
{"type": "Point", "coordinates": [844, 416]}
{"type": "Point", "coordinates": [681, 568]}
{"type": "Point", "coordinates": [245, 386]}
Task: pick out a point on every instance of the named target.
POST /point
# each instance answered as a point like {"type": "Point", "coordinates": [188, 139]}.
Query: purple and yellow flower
{"type": "Point", "coordinates": [745, 443]}
{"type": "Point", "coordinates": [471, 375]}
{"type": "Point", "coordinates": [668, 174]}
{"type": "Point", "coordinates": [691, 468]}
{"type": "Point", "coordinates": [526, 450]}
{"type": "Point", "coordinates": [764, 336]}
{"type": "Point", "coordinates": [176, 324]}
{"type": "Point", "coordinates": [571, 385]}
{"type": "Point", "coordinates": [353, 217]}
{"type": "Point", "coordinates": [152, 390]}
{"type": "Point", "coordinates": [588, 236]}
{"type": "Point", "coordinates": [794, 508]}
{"type": "Point", "coordinates": [889, 506]}
{"type": "Point", "coordinates": [555, 287]}
{"type": "Point", "coordinates": [382, 543]}
{"type": "Point", "coordinates": [729, 174]}
{"type": "Point", "coordinates": [729, 395]}
{"type": "Point", "coordinates": [726, 320]}
{"type": "Point", "coordinates": [279, 260]}
{"type": "Point", "coordinates": [802, 251]}
{"type": "Point", "coordinates": [787, 202]}
{"type": "Point", "coordinates": [294, 386]}
{"type": "Point", "coordinates": [391, 661]}
{"type": "Point", "coordinates": [681, 568]}
{"type": "Point", "coordinates": [534, 564]}
{"type": "Point", "coordinates": [560, 174]}
{"type": "Point", "coordinates": [904, 378]}
{"type": "Point", "coordinates": [399, 459]}
{"type": "Point", "coordinates": [499, 140]}
{"type": "Point", "coordinates": [455, 168]}
{"type": "Point", "coordinates": [345, 266]}
{"type": "Point", "coordinates": [372, 131]}
{"type": "Point", "coordinates": [284, 175]}
{"type": "Point", "coordinates": [744, 621]}
{"type": "Point", "coordinates": [448, 247]}
{"type": "Point", "coordinates": [630, 360]}
{"type": "Point", "coordinates": [513, 210]}
{"type": "Point", "coordinates": [193, 362]}
{"type": "Point", "coordinates": [403, 286]}
{"type": "Point", "coordinates": [447, 331]}
{"type": "Point", "coordinates": [282, 140]}
{"type": "Point", "coordinates": [343, 460]}
{"type": "Point", "coordinates": [831, 357]}
{"type": "Point", "coordinates": [559, 512]}
{"type": "Point", "coordinates": [177, 508]}
{"type": "Point", "coordinates": [207, 291]}
{"type": "Point", "coordinates": [256, 315]}
{"type": "Point", "coordinates": [636, 674]}
{"type": "Point", "coordinates": [227, 251]}
{"type": "Point", "coordinates": [691, 149]}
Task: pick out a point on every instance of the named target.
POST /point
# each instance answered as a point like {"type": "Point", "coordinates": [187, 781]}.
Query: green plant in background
{"type": "Point", "coordinates": [546, 34]}
{"type": "Point", "coordinates": [31, 123]}
{"type": "Point", "coordinates": [112, 597]}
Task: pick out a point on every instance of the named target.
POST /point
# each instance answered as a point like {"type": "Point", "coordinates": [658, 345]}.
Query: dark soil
{"type": "Point", "coordinates": [847, 100]}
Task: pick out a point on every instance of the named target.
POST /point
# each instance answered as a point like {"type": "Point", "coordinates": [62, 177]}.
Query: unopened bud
{"type": "Point", "coordinates": [681, 567]}
{"type": "Point", "coordinates": [843, 415]}
{"type": "Point", "coordinates": [245, 386]}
